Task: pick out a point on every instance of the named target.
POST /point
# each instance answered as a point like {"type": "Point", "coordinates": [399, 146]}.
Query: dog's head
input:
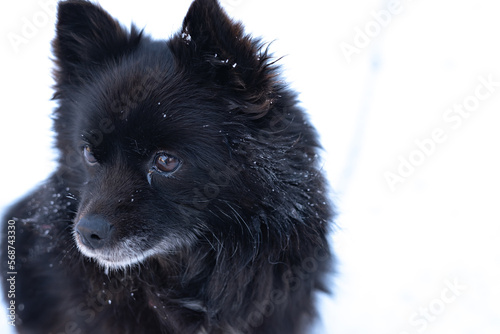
{"type": "Point", "coordinates": [171, 143]}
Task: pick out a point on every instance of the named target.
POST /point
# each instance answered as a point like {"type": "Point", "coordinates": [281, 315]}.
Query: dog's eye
{"type": "Point", "coordinates": [89, 156]}
{"type": "Point", "coordinates": [166, 163]}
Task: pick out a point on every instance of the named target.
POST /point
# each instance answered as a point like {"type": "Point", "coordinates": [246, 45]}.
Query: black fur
{"type": "Point", "coordinates": [234, 237]}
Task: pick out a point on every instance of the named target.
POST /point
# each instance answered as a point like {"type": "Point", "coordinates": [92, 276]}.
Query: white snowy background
{"type": "Point", "coordinates": [422, 256]}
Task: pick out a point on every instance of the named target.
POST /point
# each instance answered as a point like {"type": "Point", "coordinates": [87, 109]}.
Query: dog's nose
{"type": "Point", "coordinates": [94, 231]}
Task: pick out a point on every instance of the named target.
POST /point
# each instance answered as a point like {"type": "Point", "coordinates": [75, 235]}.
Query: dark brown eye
{"type": "Point", "coordinates": [89, 156]}
{"type": "Point", "coordinates": [166, 163]}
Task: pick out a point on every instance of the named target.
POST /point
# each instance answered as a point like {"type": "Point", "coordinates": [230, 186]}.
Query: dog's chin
{"type": "Point", "coordinates": [125, 256]}
{"type": "Point", "coordinates": [114, 260]}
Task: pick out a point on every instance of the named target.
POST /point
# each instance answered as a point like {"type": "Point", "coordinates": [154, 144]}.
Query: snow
{"type": "Point", "coordinates": [419, 257]}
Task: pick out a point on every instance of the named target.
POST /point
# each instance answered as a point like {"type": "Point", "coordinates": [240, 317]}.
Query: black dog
{"type": "Point", "coordinates": [188, 197]}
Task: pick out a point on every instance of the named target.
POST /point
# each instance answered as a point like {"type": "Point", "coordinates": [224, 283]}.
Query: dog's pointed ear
{"type": "Point", "coordinates": [86, 35]}
{"type": "Point", "coordinates": [213, 46]}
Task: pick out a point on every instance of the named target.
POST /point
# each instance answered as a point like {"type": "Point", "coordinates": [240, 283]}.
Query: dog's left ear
{"type": "Point", "coordinates": [86, 37]}
{"type": "Point", "coordinates": [213, 46]}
